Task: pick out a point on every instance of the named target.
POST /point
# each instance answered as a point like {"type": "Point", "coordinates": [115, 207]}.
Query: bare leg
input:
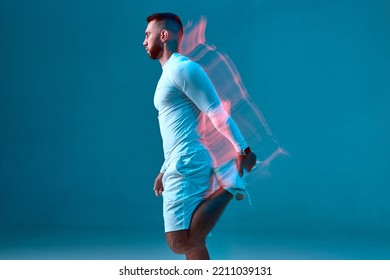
{"type": "Point", "coordinates": [208, 212]}
{"type": "Point", "coordinates": [192, 242]}
{"type": "Point", "coordinates": [200, 253]}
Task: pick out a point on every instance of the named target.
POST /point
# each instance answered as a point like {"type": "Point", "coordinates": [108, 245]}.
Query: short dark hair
{"type": "Point", "coordinates": [169, 20]}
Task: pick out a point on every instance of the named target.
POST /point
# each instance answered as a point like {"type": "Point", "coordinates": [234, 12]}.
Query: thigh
{"type": "Point", "coordinates": [177, 236]}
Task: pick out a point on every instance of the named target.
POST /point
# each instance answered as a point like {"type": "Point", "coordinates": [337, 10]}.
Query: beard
{"type": "Point", "coordinates": [155, 51]}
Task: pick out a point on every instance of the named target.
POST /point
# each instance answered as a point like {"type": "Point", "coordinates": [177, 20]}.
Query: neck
{"type": "Point", "coordinates": [170, 47]}
{"type": "Point", "coordinates": [165, 56]}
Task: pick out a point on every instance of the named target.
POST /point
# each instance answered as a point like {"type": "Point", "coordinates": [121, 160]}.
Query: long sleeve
{"type": "Point", "coordinates": [195, 83]}
{"type": "Point", "coordinates": [163, 168]}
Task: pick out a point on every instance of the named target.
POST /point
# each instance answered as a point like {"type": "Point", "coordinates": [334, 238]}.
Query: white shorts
{"type": "Point", "coordinates": [186, 183]}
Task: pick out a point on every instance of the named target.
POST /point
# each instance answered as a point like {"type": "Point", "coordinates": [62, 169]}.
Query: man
{"type": "Point", "coordinates": [184, 94]}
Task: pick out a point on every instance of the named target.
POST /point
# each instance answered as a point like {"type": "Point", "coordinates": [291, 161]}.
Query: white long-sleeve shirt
{"type": "Point", "coordinates": [183, 93]}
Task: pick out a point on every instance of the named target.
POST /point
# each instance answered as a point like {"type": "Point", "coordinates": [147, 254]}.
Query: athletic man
{"type": "Point", "coordinates": [184, 95]}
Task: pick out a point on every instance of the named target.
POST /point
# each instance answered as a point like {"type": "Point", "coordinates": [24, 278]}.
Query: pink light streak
{"type": "Point", "coordinates": [235, 99]}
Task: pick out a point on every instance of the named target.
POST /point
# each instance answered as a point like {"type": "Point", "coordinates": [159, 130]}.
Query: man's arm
{"type": "Point", "coordinates": [158, 185]}
{"type": "Point", "coordinates": [195, 83]}
{"type": "Point", "coordinates": [224, 123]}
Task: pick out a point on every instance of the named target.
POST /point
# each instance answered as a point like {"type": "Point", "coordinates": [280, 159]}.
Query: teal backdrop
{"type": "Point", "coordinates": [80, 144]}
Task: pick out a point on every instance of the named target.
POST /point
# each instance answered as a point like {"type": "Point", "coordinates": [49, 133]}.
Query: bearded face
{"type": "Point", "coordinates": [152, 42]}
{"type": "Point", "coordinates": [154, 51]}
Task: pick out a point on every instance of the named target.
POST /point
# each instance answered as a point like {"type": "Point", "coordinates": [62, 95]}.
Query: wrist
{"type": "Point", "coordinates": [244, 152]}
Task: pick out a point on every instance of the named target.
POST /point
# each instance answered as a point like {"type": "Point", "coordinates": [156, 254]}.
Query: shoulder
{"type": "Point", "coordinates": [184, 72]}
{"type": "Point", "coordinates": [184, 67]}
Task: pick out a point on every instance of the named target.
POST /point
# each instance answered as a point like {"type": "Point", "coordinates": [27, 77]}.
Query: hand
{"type": "Point", "coordinates": [248, 162]}
{"type": "Point", "coordinates": [158, 185]}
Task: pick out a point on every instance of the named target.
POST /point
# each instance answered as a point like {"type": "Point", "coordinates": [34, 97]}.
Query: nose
{"type": "Point", "coordinates": [144, 43]}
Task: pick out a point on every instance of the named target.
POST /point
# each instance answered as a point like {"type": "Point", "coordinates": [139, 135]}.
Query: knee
{"type": "Point", "coordinates": [181, 244]}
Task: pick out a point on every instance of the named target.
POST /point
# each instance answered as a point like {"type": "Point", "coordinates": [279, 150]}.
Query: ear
{"type": "Point", "coordinates": [164, 35]}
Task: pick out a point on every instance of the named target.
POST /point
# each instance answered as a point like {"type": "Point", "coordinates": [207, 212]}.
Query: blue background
{"type": "Point", "coordinates": [80, 144]}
